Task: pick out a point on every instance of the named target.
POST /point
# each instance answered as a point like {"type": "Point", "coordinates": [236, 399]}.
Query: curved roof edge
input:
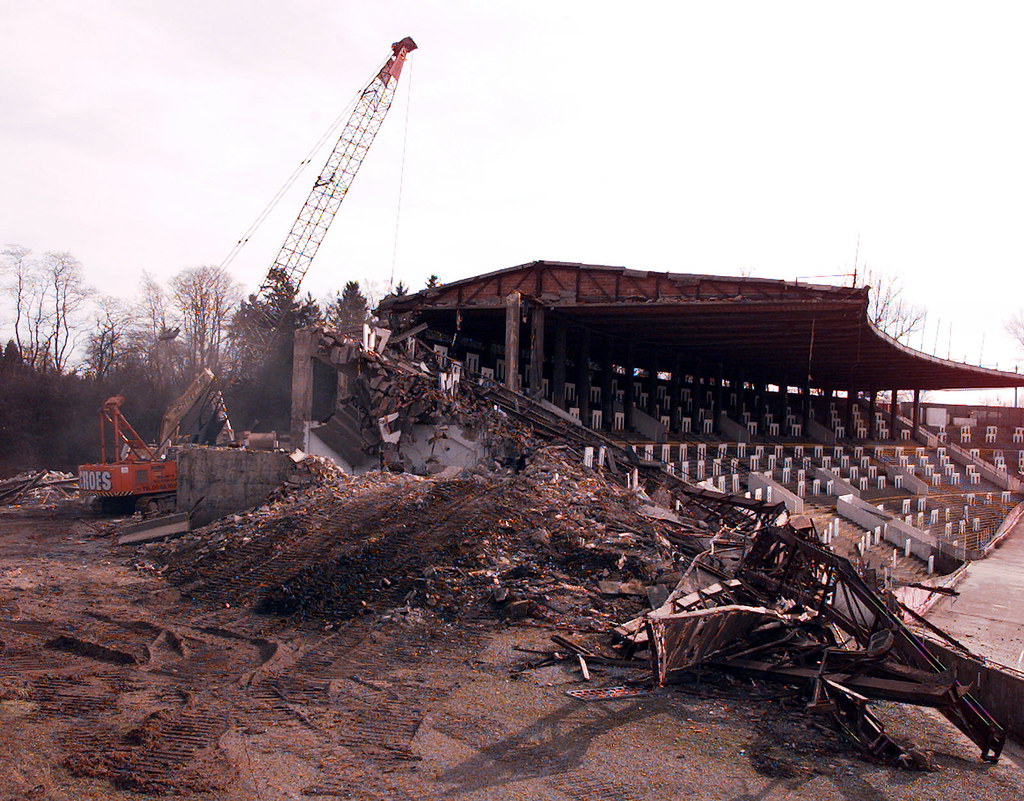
{"type": "Point", "coordinates": [814, 332]}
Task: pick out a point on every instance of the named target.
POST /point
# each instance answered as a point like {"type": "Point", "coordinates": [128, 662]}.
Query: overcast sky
{"type": "Point", "coordinates": [725, 137]}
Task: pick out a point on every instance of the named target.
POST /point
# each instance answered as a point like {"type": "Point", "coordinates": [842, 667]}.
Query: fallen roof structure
{"type": "Point", "coordinates": [794, 612]}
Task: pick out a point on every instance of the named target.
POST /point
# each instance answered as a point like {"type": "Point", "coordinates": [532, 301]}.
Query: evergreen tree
{"type": "Point", "coordinates": [259, 393]}
{"type": "Point", "coordinates": [12, 356]}
{"type": "Point", "coordinates": [348, 311]}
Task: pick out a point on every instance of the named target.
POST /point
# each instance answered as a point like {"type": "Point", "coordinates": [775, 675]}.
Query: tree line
{"type": "Point", "coordinates": [70, 348]}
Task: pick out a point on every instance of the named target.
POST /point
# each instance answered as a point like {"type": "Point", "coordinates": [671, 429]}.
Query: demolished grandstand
{"type": "Point", "coordinates": [647, 494]}
{"type": "Point", "coordinates": [749, 397]}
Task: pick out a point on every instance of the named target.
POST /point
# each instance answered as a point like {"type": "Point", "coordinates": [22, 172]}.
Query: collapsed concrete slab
{"type": "Point", "coordinates": [393, 408]}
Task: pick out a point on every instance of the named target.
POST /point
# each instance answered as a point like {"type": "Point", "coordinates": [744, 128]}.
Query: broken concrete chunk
{"type": "Point", "coordinates": [500, 595]}
{"type": "Point", "coordinates": [631, 587]}
{"type": "Point", "coordinates": [517, 610]}
{"type": "Point", "coordinates": [657, 594]}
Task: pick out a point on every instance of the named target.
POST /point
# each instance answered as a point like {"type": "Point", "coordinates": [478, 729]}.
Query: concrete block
{"type": "Point", "coordinates": [213, 482]}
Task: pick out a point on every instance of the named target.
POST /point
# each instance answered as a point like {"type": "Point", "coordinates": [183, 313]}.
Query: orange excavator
{"type": "Point", "coordinates": [132, 475]}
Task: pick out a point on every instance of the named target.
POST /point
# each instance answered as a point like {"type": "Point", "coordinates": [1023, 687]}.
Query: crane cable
{"type": "Point", "coordinates": [401, 176]}
{"type": "Point", "coordinates": [326, 136]}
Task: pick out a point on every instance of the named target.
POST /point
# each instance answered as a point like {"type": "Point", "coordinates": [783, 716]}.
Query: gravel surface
{"type": "Point", "coordinates": [113, 686]}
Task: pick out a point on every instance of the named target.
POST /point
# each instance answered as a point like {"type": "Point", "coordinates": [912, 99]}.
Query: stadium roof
{"type": "Point", "coordinates": [778, 331]}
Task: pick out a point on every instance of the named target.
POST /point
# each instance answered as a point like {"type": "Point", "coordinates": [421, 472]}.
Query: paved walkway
{"type": "Point", "coordinates": [988, 617]}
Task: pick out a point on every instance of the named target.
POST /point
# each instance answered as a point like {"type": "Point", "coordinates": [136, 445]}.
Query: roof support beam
{"type": "Point", "coordinates": [537, 351]}
{"type": "Point", "coordinates": [513, 314]}
{"type": "Point", "coordinates": [558, 364]}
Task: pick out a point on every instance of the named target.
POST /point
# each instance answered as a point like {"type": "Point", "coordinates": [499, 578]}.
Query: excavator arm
{"type": "Point", "coordinates": [190, 398]}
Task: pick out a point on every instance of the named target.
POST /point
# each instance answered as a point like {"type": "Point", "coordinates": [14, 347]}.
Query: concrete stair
{"type": "Point", "coordinates": [906, 569]}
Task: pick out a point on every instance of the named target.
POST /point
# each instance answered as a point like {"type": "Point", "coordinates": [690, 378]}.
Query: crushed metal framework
{"type": "Point", "coordinates": [794, 612]}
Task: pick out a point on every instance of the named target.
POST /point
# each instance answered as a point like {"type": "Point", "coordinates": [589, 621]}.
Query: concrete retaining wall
{"type": "Point", "coordinates": [213, 482]}
{"type": "Point", "coordinates": [730, 429]}
{"type": "Point", "coordinates": [922, 543]}
{"type": "Point", "coordinates": [819, 433]}
{"type": "Point", "coordinates": [897, 532]}
{"type": "Point", "coordinates": [794, 503]}
{"type": "Point", "coordinates": [651, 429]}
{"type": "Point", "coordinates": [964, 458]}
{"type": "Point", "coordinates": [840, 486]}
{"type": "Point", "coordinates": [1000, 690]}
{"type": "Point", "coordinates": [911, 483]}
{"type": "Point", "coordinates": [863, 514]}
{"type": "Point", "coordinates": [986, 469]}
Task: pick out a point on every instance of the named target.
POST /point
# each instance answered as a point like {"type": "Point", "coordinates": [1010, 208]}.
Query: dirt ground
{"type": "Point", "coordinates": [114, 687]}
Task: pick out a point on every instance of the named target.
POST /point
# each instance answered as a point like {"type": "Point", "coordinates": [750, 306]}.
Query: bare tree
{"type": "Point", "coordinates": [154, 305]}
{"type": "Point", "coordinates": [374, 290]}
{"type": "Point", "coordinates": [1015, 328]}
{"type": "Point", "coordinates": [66, 285]}
{"type": "Point", "coordinates": [889, 309]}
{"type": "Point", "coordinates": [115, 339]}
{"type": "Point", "coordinates": [20, 288]}
{"type": "Point", "coordinates": [157, 333]}
{"type": "Point", "coordinates": [205, 297]}
{"type": "Point", "coordinates": [49, 297]}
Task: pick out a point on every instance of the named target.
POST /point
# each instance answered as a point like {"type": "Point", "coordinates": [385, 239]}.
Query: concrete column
{"type": "Point", "coordinates": [719, 394]}
{"type": "Point", "coordinates": [302, 383]}
{"type": "Point", "coordinates": [894, 399]}
{"type": "Point", "coordinates": [917, 408]}
{"type": "Point", "coordinates": [807, 406]}
{"type": "Point", "coordinates": [513, 316]}
{"type": "Point", "coordinates": [537, 314]}
{"type": "Point", "coordinates": [583, 380]}
{"type": "Point", "coordinates": [851, 398]}
{"type": "Point", "coordinates": [607, 376]}
{"type": "Point", "coordinates": [872, 404]}
{"type": "Point", "coordinates": [629, 397]}
{"type": "Point", "coordinates": [558, 366]}
{"type": "Point", "coordinates": [652, 386]}
{"type": "Point", "coordinates": [675, 391]}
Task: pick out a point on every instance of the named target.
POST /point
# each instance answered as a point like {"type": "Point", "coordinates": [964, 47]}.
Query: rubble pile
{"type": "Point", "coordinates": [553, 541]}
{"type": "Point", "coordinates": [386, 399]}
{"type": "Point", "coordinates": [38, 488]}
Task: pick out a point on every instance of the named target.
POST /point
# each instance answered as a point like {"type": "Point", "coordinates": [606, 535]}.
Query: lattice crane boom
{"type": "Point", "coordinates": [334, 180]}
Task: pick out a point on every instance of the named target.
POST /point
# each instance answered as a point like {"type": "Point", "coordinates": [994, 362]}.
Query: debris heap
{"type": "Point", "coordinates": [553, 541]}
{"type": "Point", "coordinates": [398, 408]}
{"type": "Point", "coordinates": [38, 488]}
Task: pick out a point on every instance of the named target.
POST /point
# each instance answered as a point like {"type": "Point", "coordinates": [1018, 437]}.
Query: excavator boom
{"type": "Point", "coordinates": [192, 396]}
